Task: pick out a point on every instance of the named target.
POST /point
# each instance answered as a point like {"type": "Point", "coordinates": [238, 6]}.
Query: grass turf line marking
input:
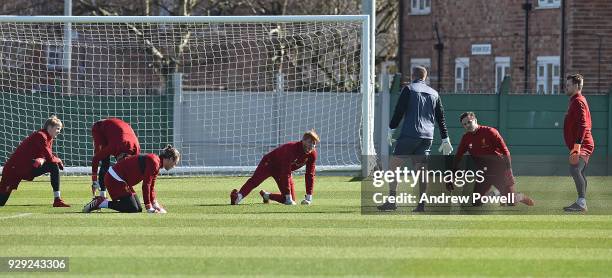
{"type": "Point", "coordinates": [17, 215]}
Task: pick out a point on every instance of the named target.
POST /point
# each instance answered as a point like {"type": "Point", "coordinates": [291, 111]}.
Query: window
{"type": "Point", "coordinates": [547, 4]}
{"type": "Point", "coordinates": [420, 6]}
{"type": "Point", "coordinates": [423, 62]}
{"type": "Point", "coordinates": [502, 69]}
{"type": "Point", "coordinates": [462, 74]}
{"type": "Point", "coordinates": [548, 71]}
{"type": "Point", "coordinates": [55, 57]}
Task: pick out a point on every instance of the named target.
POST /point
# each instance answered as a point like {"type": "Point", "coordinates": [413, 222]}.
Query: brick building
{"type": "Point", "coordinates": [471, 45]}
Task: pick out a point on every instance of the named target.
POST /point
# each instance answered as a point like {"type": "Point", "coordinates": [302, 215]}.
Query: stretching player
{"type": "Point", "coordinates": [279, 163]}
{"type": "Point", "coordinates": [489, 151]}
{"type": "Point", "coordinates": [32, 158]}
{"type": "Point", "coordinates": [128, 172]}
{"type": "Point", "coordinates": [114, 137]}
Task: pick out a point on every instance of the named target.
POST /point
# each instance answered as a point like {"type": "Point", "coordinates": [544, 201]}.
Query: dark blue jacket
{"type": "Point", "coordinates": [419, 105]}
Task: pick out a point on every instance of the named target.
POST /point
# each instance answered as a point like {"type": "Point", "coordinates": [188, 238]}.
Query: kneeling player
{"type": "Point", "coordinates": [33, 158]}
{"type": "Point", "coordinates": [128, 172]}
{"type": "Point", "coordinates": [489, 151]}
{"type": "Point", "coordinates": [114, 137]}
{"type": "Point", "coordinates": [279, 163]}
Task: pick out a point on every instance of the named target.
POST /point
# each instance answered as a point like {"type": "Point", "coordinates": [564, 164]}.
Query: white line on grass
{"type": "Point", "coordinates": [286, 231]}
{"type": "Point", "coordinates": [350, 217]}
{"type": "Point", "coordinates": [17, 215]}
{"type": "Point", "coordinates": [317, 252]}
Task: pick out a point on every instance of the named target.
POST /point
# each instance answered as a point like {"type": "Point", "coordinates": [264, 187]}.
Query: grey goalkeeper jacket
{"type": "Point", "coordinates": [419, 105]}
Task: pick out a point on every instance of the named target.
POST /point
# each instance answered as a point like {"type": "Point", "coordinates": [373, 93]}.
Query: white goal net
{"type": "Point", "coordinates": [223, 90]}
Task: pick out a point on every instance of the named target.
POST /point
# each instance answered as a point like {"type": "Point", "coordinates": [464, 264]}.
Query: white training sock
{"type": "Point", "coordinates": [581, 202]}
{"type": "Point", "coordinates": [308, 197]}
{"type": "Point", "coordinates": [103, 193]}
{"type": "Point", "coordinates": [56, 194]}
{"type": "Point", "coordinates": [104, 204]}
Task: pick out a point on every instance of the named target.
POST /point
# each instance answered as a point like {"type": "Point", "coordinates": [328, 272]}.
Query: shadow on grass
{"type": "Point", "coordinates": [301, 212]}
{"type": "Point", "coordinates": [29, 205]}
{"type": "Point", "coordinates": [222, 205]}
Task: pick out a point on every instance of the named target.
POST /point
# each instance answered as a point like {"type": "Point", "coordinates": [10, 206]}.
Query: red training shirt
{"type": "Point", "coordinates": [37, 145]}
{"type": "Point", "coordinates": [114, 137]}
{"type": "Point", "coordinates": [577, 125]}
{"type": "Point", "coordinates": [129, 170]}
{"type": "Point", "coordinates": [290, 157]}
{"type": "Point", "coordinates": [486, 146]}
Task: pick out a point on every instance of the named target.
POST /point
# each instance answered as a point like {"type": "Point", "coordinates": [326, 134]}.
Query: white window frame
{"type": "Point", "coordinates": [420, 7]}
{"type": "Point", "coordinates": [502, 69]}
{"type": "Point", "coordinates": [424, 62]}
{"type": "Point", "coordinates": [549, 4]}
{"type": "Point", "coordinates": [462, 66]}
{"type": "Point", "coordinates": [548, 75]}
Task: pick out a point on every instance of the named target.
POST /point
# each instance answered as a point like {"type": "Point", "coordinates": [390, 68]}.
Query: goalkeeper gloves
{"type": "Point", "coordinates": [575, 154]}
{"type": "Point", "coordinates": [446, 148]}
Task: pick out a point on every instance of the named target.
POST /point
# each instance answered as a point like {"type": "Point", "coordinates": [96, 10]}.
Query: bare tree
{"type": "Point", "coordinates": [386, 30]}
{"type": "Point", "coordinates": [32, 7]}
{"type": "Point", "coordinates": [287, 52]}
{"type": "Point", "coordinates": [386, 18]}
{"type": "Point", "coordinates": [166, 61]}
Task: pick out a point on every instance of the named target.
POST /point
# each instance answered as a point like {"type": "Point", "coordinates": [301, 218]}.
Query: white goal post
{"type": "Point", "coordinates": [224, 90]}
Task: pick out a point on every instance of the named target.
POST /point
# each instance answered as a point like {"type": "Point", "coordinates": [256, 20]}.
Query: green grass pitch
{"type": "Point", "coordinates": [203, 236]}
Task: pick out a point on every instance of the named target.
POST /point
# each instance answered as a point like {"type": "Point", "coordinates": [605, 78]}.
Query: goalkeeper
{"type": "Point", "coordinates": [128, 172]}
{"type": "Point", "coordinates": [279, 163]}
{"type": "Point", "coordinates": [32, 158]}
{"type": "Point", "coordinates": [489, 152]}
{"type": "Point", "coordinates": [420, 107]}
{"type": "Point", "coordinates": [114, 137]}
